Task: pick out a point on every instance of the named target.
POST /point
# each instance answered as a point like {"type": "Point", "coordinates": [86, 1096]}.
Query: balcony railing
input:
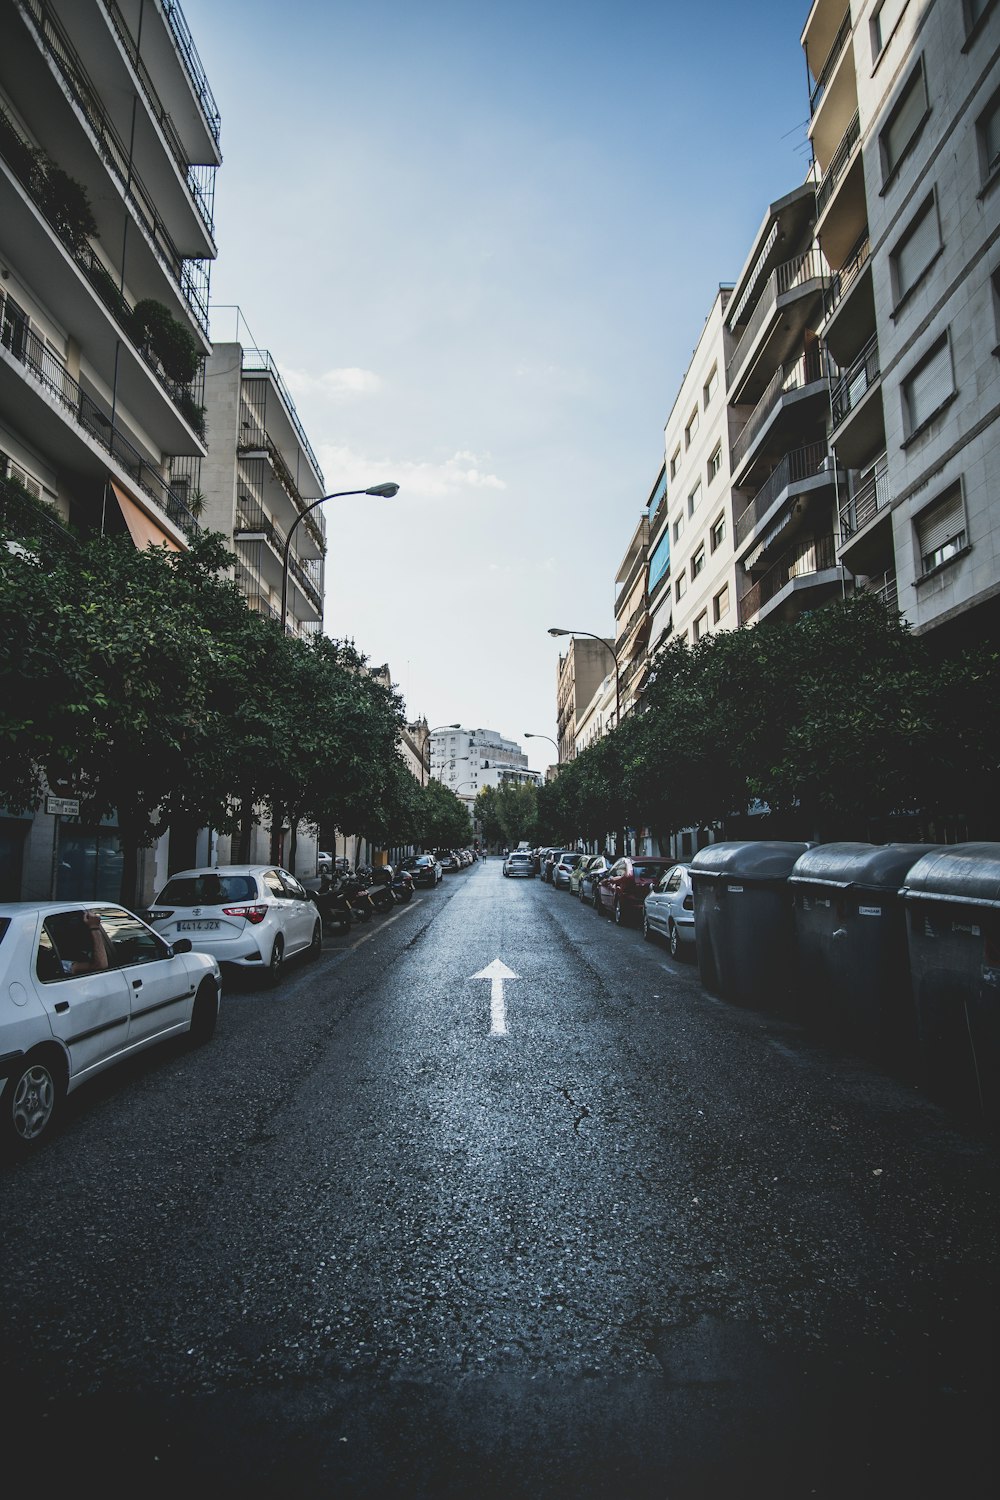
{"type": "Point", "coordinates": [260, 359]}
{"type": "Point", "coordinates": [833, 57]}
{"type": "Point", "coordinates": [250, 517]}
{"type": "Point", "coordinates": [804, 268]}
{"type": "Point", "coordinates": [65, 59]}
{"type": "Point", "coordinates": [631, 623]}
{"type": "Point", "coordinates": [806, 370]}
{"type": "Point", "coordinates": [841, 281]}
{"type": "Point", "coordinates": [856, 381]}
{"type": "Point", "coordinates": [802, 463]}
{"type": "Point", "coordinates": [193, 64]}
{"type": "Point", "coordinates": [252, 590]}
{"type": "Point", "coordinates": [871, 496]}
{"type": "Point", "coordinates": [34, 354]}
{"type": "Point", "coordinates": [813, 555]}
{"type": "Point", "coordinates": [838, 162]}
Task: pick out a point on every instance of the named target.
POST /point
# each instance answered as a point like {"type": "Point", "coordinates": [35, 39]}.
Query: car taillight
{"type": "Point", "coordinates": [253, 914]}
{"type": "Point", "coordinates": [157, 914]}
{"type": "Point", "coordinates": [689, 903]}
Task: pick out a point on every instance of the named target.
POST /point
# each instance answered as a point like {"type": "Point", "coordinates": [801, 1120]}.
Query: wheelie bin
{"type": "Point", "coordinates": [952, 900]}
{"type": "Point", "coordinates": [743, 921]}
{"type": "Point", "coordinates": [854, 964]}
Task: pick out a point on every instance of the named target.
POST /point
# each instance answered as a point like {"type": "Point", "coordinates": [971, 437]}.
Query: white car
{"type": "Point", "coordinates": [324, 863]}
{"type": "Point", "coordinates": [250, 916]}
{"type": "Point", "coordinates": [76, 998]}
{"type": "Point", "coordinates": [669, 910]}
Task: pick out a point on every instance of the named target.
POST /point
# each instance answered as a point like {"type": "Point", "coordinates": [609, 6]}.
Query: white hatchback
{"type": "Point", "coordinates": [84, 985]}
{"type": "Point", "coordinates": [250, 916]}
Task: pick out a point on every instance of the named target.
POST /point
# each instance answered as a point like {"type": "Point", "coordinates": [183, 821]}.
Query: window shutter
{"type": "Point", "coordinates": [918, 248]}
{"type": "Point", "coordinates": [928, 387]}
{"type": "Point", "coordinates": [909, 112]}
{"type": "Point", "coordinates": [941, 524]}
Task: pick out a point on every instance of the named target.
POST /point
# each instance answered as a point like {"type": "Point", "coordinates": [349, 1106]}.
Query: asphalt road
{"type": "Point", "coordinates": [392, 1234]}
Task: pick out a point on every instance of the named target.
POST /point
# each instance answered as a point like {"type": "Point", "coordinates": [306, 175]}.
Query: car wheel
{"type": "Point", "coordinates": [275, 966]}
{"type": "Point", "coordinates": [675, 941]}
{"type": "Point", "coordinates": [619, 914]}
{"type": "Point", "coordinates": [205, 1014]}
{"type": "Point", "coordinates": [316, 946]}
{"type": "Point", "coordinates": [31, 1103]}
{"type": "Point", "coordinates": [647, 931]}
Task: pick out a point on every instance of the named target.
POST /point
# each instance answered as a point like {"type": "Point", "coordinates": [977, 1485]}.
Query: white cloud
{"type": "Point", "coordinates": [333, 385]}
{"type": "Point", "coordinates": [425, 477]}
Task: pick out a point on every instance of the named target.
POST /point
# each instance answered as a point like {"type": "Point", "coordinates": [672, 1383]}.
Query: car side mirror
{"type": "Point", "coordinates": [182, 945]}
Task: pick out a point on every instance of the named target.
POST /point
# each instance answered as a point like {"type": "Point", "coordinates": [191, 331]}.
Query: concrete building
{"type": "Point", "coordinates": [905, 126]}
{"type": "Point", "coordinates": [632, 617]}
{"type": "Point", "coordinates": [467, 760]}
{"type": "Point", "coordinates": [109, 143]}
{"type": "Point", "coordinates": [579, 674]}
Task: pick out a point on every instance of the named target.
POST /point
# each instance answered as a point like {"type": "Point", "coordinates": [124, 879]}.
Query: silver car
{"type": "Point", "coordinates": [521, 862]}
{"type": "Point", "coordinates": [250, 916]}
{"type": "Point", "coordinates": [564, 867]}
{"type": "Point", "coordinates": [597, 865]}
{"type": "Point", "coordinates": [668, 910]}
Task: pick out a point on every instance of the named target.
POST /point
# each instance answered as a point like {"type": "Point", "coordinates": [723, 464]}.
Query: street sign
{"type": "Point", "coordinates": [65, 807]}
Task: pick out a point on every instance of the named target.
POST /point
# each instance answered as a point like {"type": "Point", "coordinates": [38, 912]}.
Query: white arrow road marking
{"type": "Point", "coordinates": [496, 973]}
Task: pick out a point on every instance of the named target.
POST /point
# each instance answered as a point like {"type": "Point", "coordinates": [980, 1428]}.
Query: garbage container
{"type": "Point", "coordinates": [743, 922]}
{"type": "Point", "coordinates": [952, 899]}
{"type": "Point", "coordinates": [850, 933]}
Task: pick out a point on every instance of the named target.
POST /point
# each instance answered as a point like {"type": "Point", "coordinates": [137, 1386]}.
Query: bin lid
{"type": "Point", "coordinates": [875, 867]}
{"type": "Point", "coordinates": [969, 873]}
{"type": "Point", "coordinates": [750, 859]}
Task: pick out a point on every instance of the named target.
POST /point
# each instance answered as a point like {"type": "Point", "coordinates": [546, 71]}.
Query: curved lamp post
{"type": "Point", "coordinates": [529, 736]}
{"type": "Point", "coordinates": [385, 490]}
{"type": "Point", "coordinates": [614, 658]}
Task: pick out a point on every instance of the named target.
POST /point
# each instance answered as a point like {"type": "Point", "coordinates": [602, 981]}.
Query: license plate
{"type": "Point", "coordinates": [197, 926]}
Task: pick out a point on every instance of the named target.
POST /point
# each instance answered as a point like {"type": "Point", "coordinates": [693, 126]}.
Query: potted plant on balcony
{"type": "Point", "coordinates": [67, 207]}
{"type": "Point", "coordinates": [154, 327]}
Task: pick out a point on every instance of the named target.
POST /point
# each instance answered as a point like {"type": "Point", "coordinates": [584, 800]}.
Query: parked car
{"type": "Point", "coordinates": [576, 874]}
{"type": "Point", "coordinates": [623, 889]}
{"type": "Point", "coordinates": [520, 863]}
{"type": "Point", "coordinates": [425, 869]}
{"type": "Point", "coordinates": [564, 867]}
{"type": "Point", "coordinates": [80, 998]}
{"type": "Point", "coordinates": [590, 874]}
{"type": "Point", "coordinates": [449, 861]}
{"type": "Point", "coordinates": [669, 910]}
{"type": "Point", "coordinates": [252, 917]}
{"type": "Point", "coordinates": [549, 859]}
{"type": "Point", "coordinates": [324, 863]}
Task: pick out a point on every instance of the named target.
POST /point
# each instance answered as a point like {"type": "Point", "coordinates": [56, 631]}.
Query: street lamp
{"type": "Point", "coordinates": [614, 658]}
{"type": "Point", "coordinates": [548, 737]}
{"type": "Point", "coordinates": [427, 745]}
{"type": "Point", "coordinates": [385, 490]}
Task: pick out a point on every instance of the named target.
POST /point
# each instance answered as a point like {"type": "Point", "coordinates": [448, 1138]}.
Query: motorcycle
{"type": "Point", "coordinates": [378, 884]}
{"type": "Point", "coordinates": [402, 886]}
{"type": "Point", "coordinates": [342, 899]}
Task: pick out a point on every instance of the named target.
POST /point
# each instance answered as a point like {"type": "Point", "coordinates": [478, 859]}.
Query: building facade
{"type": "Point", "coordinates": [467, 760]}
{"type": "Point", "coordinates": [579, 674]}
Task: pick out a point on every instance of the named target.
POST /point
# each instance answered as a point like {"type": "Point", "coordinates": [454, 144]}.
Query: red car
{"type": "Point", "coordinates": [622, 890]}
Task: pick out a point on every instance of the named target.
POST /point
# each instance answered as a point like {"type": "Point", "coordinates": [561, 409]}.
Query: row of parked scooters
{"type": "Point", "coordinates": [347, 896]}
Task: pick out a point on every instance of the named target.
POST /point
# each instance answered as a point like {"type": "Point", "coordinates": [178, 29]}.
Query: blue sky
{"type": "Point", "coordinates": [480, 243]}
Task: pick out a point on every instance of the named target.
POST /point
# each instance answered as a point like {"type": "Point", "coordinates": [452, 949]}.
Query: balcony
{"type": "Point", "coordinates": [790, 385]}
{"type": "Point", "coordinates": [801, 470]}
{"type": "Point", "coordinates": [833, 57]}
{"type": "Point", "coordinates": [858, 419]}
{"type": "Point", "coordinates": [841, 198]}
{"type": "Point", "coordinates": [61, 419]}
{"type": "Point", "coordinates": [871, 496]}
{"type": "Point", "coordinates": [253, 526]}
{"type": "Point", "coordinates": [257, 363]}
{"type": "Point", "coordinates": [787, 303]}
{"type": "Point", "coordinates": [850, 318]}
{"type": "Point", "coordinates": [810, 566]}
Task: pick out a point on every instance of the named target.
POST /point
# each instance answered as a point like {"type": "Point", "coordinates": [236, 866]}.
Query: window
{"type": "Point", "coordinates": [919, 245]}
{"type": "Point", "coordinates": [698, 561]}
{"type": "Point", "coordinates": [715, 462]}
{"type": "Point", "coordinates": [720, 604]}
{"type": "Point", "coordinates": [711, 385]}
{"type": "Point", "coordinates": [691, 428]}
{"type": "Point", "coordinates": [700, 626]}
{"type": "Point", "coordinates": [974, 12]}
{"type": "Point", "coordinates": [883, 23]}
{"type": "Point", "coordinates": [927, 388]}
{"type": "Point", "coordinates": [680, 587]}
{"type": "Point", "coordinates": [908, 115]}
{"type": "Point", "coordinates": [988, 130]}
{"type": "Point", "coordinates": [694, 498]}
{"type": "Point", "coordinates": [675, 461]}
{"type": "Point", "coordinates": [678, 526]}
{"type": "Point", "coordinates": [717, 534]}
{"type": "Point", "coordinates": [941, 531]}
{"type": "Point", "coordinates": [996, 305]}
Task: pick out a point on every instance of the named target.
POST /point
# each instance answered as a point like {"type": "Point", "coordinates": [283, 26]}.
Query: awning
{"type": "Point", "coordinates": [143, 529]}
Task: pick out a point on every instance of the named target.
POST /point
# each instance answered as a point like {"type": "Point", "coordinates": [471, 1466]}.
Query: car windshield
{"type": "Point", "coordinates": [207, 890]}
{"type": "Point", "coordinates": [647, 872]}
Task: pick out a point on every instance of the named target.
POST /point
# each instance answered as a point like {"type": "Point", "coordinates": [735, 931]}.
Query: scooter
{"type": "Point", "coordinates": [378, 883]}
{"type": "Point", "coordinates": [358, 897]}
{"type": "Point", "coordinates": [402, 886]}
{"type": "Point", "coordinates": [332, 902]}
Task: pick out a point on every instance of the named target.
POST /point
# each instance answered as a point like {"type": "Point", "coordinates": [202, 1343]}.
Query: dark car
{"type": "Point", "coordinates": [622, 890]}
{"type": "Point", "coordinates": [550, 858]}
{"type": "Point", "coordinates": [424, 869]}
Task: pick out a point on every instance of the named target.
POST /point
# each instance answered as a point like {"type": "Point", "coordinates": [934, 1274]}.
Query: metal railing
{"type": "Point", "coordinates": [260, 359]}
{"type": "Point", "coordinates": [856, 381]}
{"type": "Point", "coordinates": [631, 623]}
{"type": "Point", "coordinates": [806, 370]}
{"type": "Point", "coordinates": [801, 463]}
{"type": "Point", "coordinates": [871, 496]}
{"type": "Point", "coordinates": [832, 58]}
{"type": "Point", "coordinates": [809, 266]}
{"type": "Point", "coordinates": [193, 66]}
{"type": "Point", "coordinates": [814, 554]}
{"type": "Point", "coordinates": [841, 280]}
{"type": "Point", "coordinates": [64, 57]}
{"type": "Point", "coordinates": [37, 358]}
{"type": "Point", "coordinates": [838, 162]}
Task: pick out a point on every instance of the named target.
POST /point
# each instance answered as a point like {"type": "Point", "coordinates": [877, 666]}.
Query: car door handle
{"type": "Point", "coordinates": [137, 984]}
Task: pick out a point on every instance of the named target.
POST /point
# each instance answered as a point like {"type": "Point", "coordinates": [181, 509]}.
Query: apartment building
{"type": "Point", "coordinates": [579, 674]}
{"type": "Point", "coordinates": [467, 760]}
{"type": "Point", "coordinates": [631, 618]}
{"type": "Point", "coordinates": [109, 143]}
{"type": "Point", "coordinates": [905, 125]}
{"type": "Point", "coordinates": [256, 485]}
